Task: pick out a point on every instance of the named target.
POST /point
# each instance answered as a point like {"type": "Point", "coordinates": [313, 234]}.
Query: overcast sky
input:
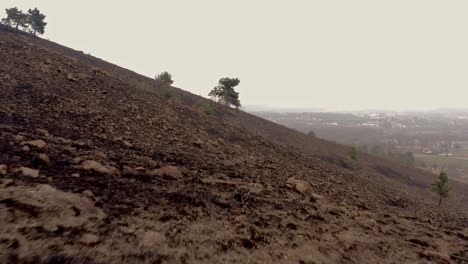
{"type": "Point", "coordinates": [399, 54]}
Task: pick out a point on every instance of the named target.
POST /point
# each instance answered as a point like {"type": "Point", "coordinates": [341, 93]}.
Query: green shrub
{"type": "Point", "coordinates": [353, 154]}
{"type": "Point", "coordinates": [165, 78]}
{"type": "Point", "coordinates": [169, 94]}
{"type": "Point", "coordinates": [206, 107]}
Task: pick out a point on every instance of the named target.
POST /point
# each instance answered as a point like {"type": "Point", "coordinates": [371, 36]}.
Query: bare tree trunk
{"type": "Point", "coordinates": [440, 200]}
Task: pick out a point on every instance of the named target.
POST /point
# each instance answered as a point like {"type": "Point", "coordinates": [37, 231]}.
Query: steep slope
{"type": "Point", "coordinates": [273, 132]}
{"type": "Point", "coordinates": [97, 170]}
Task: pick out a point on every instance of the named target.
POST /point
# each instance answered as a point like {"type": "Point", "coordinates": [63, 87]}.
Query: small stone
{"type": "Point", "coordinates": [463, 233]}
{"type": "Point", "coordinates": [90, 195]}
{"type": "Point", "coordinates": [3, 169]}
{"type": "Point", "coordinates": [7, 182]}
{"type": "Point", "coordinates": [317, 197]}
{"type": "Point", "coordinates": [300, 186]}
{"type": "Point", "coordinates": [76, 175]}
{"type": "Point", "coordinates": [98, 167]}
{"type": "Point", "coordinates": [170, 172]}
{"type": "Point", "coordinates": [89, 239]}
{"type": "Point", "coordinates": [439, 257]}
{"type": "Point", "coordinates": [18, 138]}
{"type": "Point", "coordinates": [29, 172]}
{"type": "Point", "coordinates": [198, 143]}
{"type": "Point", "coordinates": [240, 219]}
{"type": "Point", "coordinates": [77, 160]}
{"type": "Point", "coordinates": [38, 143]}
{"type": "Point", "coordinates": [42, 132]}
{"type": "Point", "coordinates": [44, 158]}
{"type": "Point", "coordinates": [25, 148]}
{"type": "Point", "coordinates": [50, 227]}
{"type": "Point", "coordinates": [128, 144]}
{"type": "Point", "coordinates": [70, 77]}
{"type": "Point", "coordinates": [152, 238]}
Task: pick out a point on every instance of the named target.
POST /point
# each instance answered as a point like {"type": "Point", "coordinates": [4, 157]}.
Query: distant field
{"type": "Point", "coordinates": [456, 167]}
{"type": "Point", "coordinates": [464, 149]}
{"type": "Point", "coordinates": [442, 161]}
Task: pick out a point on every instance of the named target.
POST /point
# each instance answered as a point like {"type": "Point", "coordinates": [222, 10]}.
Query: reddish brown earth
{"type": "Point", "coordinates": [96, 169]}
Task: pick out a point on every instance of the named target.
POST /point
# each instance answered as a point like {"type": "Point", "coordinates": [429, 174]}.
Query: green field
{"type": "Point", "coordinates": [442, 161]}
{"type": "Point", "coordinates": [457, 168]}
{"type": "Point", "coordinates": [464, 148]}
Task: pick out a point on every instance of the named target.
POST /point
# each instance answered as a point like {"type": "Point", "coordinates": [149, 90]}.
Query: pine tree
{"type": "Point", "coordinates": [440, 186]}
{"type": "Point", "coordinates": [15, 18]}
{"type": "Point", "coordinates": [224, 93]}
{"type": "Point", "coordinates": [36, 21]}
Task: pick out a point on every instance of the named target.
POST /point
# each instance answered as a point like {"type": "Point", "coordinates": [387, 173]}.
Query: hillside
{"type": "Point", "coordinates": [98, 167]}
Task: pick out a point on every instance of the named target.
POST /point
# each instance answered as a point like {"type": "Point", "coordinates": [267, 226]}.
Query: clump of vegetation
{"type": "Point", "coordinates": [406, 158]}
{"type": "Point", "coordinates": [33, 21]}
{"type": "Point", "coordinates": [311, 133]}
{"type": "Point", "coordinates": [440, 186]}
{"type": "Point", "coordinates": [389, 151]}
{"type": "Point", "coordinates": [169, 93]}
{"type": "Point", "coordinates": [225, 94]}
{"type": "Point", "coordinates": [165, 78]}
{"type": "Point", "coordinates": [353, 154]}
{"type": "Point", "coordinates": [206, 107]}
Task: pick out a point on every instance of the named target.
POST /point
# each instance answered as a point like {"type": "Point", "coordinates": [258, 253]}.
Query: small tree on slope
{"type": "Point", "coordinates": [15, 18]}
{"type": "Point", "coordinates": [36, 21]}
{"type": "Point", "coordinates": [165, 78]}
{"type": "Point", "coordinates": [224, 93]}
{"type": "Point", "coordinates": [440, 186]}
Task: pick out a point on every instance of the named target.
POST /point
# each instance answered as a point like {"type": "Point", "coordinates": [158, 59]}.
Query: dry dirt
{"type": "Point", "coordinates": [94, 170]}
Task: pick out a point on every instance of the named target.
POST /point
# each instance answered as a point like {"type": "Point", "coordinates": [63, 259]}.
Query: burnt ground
{"type": "Point", "coordinates": [94, 169]}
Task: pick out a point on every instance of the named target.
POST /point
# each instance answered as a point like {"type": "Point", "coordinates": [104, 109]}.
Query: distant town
{"type": "Point", "coordinates": [432, 140]}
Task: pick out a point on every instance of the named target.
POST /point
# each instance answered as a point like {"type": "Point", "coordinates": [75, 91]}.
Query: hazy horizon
{"type": "Point", "coordinates": [338, 55]}
{"type": "Point", "coordinates": [286, 109]}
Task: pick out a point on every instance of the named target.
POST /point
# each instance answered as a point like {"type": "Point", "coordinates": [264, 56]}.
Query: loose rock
{"type": "Point", "coordinates": [29, 172]}
{"type": "Point", "coordinates": [70, 77]}
{"type": "Point", "coordinates": [439, 257]}
{"type": "Point", "coordinates": [170, 172]}
{"type": "Point", "coordinates": [7, 182]}
{"type": "Point", "coordinates": [44, 158]}
{"type": "Point", "coordinates": [90, 195]}
{"type": "Point", "coordinates": [89, 239]}
{"type": "Point", "coordinates": [464, 233]}
{"type": "Point", "coordinates": [152, 238]}
{"type": "Point", "coordinates": [98, 167]}
{"type": "Point", "coordinates": [198, 143]}
{"type": "Point", "coordinates": [3, 169]}
{"type": "Point", "coordinates": [299, 185]}
{"type": "Point", "coordinates": [42, 132]}
{"type": "Point", "coordinates": [38, 143]}
{"type": "Point", "coordinates": [128, 144]}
